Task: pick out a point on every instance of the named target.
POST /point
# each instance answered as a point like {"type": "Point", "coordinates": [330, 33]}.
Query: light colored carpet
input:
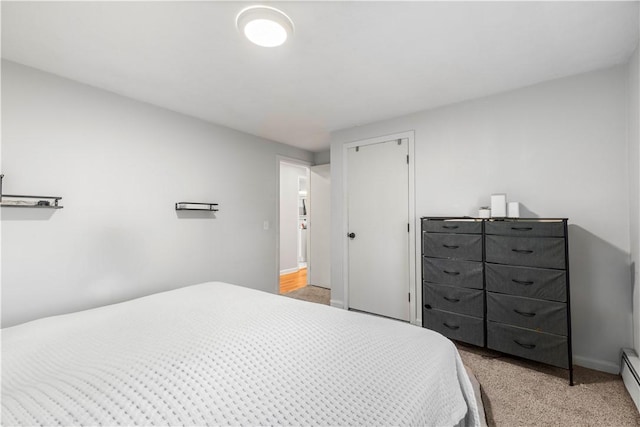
{"type": "Point", "coordinates": [518, 392]}
{"type": "Point", "coordinates": [312, 294]}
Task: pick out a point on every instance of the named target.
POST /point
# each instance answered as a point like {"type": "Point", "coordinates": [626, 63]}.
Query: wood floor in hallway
{"type": "Point", "coordinates": [292, 281]}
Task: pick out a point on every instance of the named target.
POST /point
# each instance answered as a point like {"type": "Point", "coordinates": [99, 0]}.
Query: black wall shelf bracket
{"type": "Point", "coordinates": [23, 201]}
{"type": "Point", "coordinates": [196, 206]}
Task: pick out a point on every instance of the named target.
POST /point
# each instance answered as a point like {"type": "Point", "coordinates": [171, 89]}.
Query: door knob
{"type": "Point", "coordinates": [351, 235]}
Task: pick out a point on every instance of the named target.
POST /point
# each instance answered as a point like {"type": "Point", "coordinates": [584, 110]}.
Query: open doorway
{"type": "Point", "coordinates": [304, 230]}
{"type": "Point", "coordinates": [294, 226]}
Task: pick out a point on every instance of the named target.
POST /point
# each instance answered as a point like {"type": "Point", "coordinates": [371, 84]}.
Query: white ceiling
{"type": "Point", "coordinates": [348, 64]}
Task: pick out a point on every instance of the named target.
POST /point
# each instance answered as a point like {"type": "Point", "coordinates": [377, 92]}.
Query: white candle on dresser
{"type": "Point", "coordinates": [499, 205]}
{"type": "Point", "coordinates": [513, 210]}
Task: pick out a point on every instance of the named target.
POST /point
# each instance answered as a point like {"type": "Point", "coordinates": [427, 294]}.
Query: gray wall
{"type": "Point", "coordinates": [634, 187]}
{"type": "Point", "coordinates": [321, 157]}
{"type": "Point", "coordinates": [560, 148]}
{"type": "Point", "coordinates": [120, 166]}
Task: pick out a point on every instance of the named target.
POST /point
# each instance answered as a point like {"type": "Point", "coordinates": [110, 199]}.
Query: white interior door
{"type": "Point", "coordinates": [378, 219]}
{"type": "Point", "coordinates": [319, 266]}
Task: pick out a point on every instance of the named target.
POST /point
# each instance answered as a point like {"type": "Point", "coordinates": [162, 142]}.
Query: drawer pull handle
{"type": "Point", "coordinates": [522, 251]}
{"type": "Point", "coordinates": [522, 228]}
{"type": "Point", "coordinates": [454, 327]}
{"type": "Point", "coordinates": [450, 227]}
{"type": "Point", "coordinates": [522, 282]}
{"type": "Point", "coordinates": [527, 346]}
{"type": "Point", "coordinates": [427, 306]}
{"type": "Point", "coordinates": [451, 299]}
{"type": "Point", "coordinates": [451, 273]}
{"type": "Point", "coordinates": [451, 246]}
{"type": "Point", "coordinates": [524, 313]}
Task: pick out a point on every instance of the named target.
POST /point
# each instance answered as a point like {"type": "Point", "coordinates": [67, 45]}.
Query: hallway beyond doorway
{"type": "Point", "coordinates": [292, 281]}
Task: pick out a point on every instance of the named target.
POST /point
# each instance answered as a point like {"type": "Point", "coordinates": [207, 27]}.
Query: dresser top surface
{"type": "Point", "coordinates": [472, 219]}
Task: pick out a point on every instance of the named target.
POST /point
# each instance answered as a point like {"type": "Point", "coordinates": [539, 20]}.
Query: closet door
{"type": "Point", "coordinates": [378, 237]}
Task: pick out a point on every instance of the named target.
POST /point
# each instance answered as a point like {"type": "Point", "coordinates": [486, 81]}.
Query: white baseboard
{"type": "Point", "coordinates": [337, 303]}
{"type": "Point", "coordinates": [631, 374]}
{"type": "Point", "coordinates": [598, 365]}
{"type": "Point", "coordinates": [289, 270]}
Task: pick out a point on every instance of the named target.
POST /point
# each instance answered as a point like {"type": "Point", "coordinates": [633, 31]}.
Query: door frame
{"type": "Point", "coordinates": [296, 162]}
{"type": "Point", "coordinates": [410, 136]}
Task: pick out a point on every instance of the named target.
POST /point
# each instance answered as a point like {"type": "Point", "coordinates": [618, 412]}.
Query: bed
{"type": "Point", "coordinates": [220, 354]}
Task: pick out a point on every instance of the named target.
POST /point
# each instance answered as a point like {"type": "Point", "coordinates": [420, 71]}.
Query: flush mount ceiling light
{"type": "Point", "coordinates": [264, 25]}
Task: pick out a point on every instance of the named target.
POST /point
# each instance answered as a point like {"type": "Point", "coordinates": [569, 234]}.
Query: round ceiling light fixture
{"type": "Point", "coordinates": [265, 26]}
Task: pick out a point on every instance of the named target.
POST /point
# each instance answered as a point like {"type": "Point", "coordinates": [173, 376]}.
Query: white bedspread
{"type": "Point", "coordinates": [219, 354]}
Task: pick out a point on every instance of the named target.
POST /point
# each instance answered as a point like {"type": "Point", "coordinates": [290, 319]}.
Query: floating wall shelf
{"type": "Point", "coordinates": [22, 201]}
{"type": "Point", "coordinates": [196, 206]}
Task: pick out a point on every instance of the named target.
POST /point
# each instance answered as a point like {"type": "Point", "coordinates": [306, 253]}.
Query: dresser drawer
{"type": "Point", "coordinates": [466, 274]}
{"type": "Point", "coordinates": [451, 226]}
{"type": "Point", "coordinates": [453, 246]}
{"type": "Point", "coordinates": [455, 326]}
{"type": "Point", "coordinates": [525, 228]}
{"type": "Point", "coordinates": [539, 346]}
{"type": "Point", "coordinates": [540, 315]}
{"type": "Point", "coordinates": [527, 281]}
{"type": "Point", "coordinates": [547, 252]}
{"type": "Point", "coordinates": [454, 299]}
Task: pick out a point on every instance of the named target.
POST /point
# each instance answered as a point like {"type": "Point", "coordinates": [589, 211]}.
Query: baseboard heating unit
{"type": "Point", "coordinates": [631, 374]}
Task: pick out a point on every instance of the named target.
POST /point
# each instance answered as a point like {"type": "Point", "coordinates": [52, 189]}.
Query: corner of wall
{"type": "Point", "coordinates": [598, 365]}
{"type": "Point", "coordinates": [336, 303]}
{"type": "Point", "coordinates": [322, 158]}
{"type": "Point", "coordinates": [337, 282]}
{"type": "Point", "coordinates": [633, 133]}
